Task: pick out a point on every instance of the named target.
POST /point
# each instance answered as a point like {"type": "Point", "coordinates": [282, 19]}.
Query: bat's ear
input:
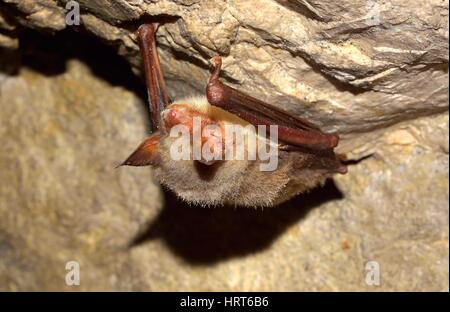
{"type": "Point", "coordinates": [146, 154]}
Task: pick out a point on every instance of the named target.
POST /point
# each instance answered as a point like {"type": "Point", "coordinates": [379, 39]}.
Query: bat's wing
{"type": "Point", "coordinates": [158, 98]}
{"type": "Point", "coordinates": [156, 87]}
{"type": "Point", "coordinates": [291, 130]}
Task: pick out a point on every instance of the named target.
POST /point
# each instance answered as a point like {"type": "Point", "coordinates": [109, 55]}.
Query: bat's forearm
{"type": "Point", "coordinates": [291, 129]}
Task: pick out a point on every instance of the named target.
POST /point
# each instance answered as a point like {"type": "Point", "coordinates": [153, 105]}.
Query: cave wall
{"type": "Point", "coordinates": [376, 72]}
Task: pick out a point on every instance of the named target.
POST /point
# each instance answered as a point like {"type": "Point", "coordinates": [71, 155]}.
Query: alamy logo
{"type": "Point", "coordinates": [73, 13]}
{"type": "Point", "coordinates": [372, 17]}
{"type": "Point", "coordinates": [73, 274]}
{"type": "Point", "coordinates": [373, 277]}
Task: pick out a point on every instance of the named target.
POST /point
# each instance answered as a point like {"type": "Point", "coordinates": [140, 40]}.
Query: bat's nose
{"type": "Point", "coordinates": [180, 114]}
{"type": "Point", "coordinates": [173, 115]}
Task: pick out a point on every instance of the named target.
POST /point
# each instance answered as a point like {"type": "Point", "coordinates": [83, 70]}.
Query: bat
{"type": "Point", "coordinates": [304, 155]}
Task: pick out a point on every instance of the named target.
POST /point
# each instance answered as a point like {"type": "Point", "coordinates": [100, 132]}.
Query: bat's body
{"type": "Point", "coordinates": [305, 156]}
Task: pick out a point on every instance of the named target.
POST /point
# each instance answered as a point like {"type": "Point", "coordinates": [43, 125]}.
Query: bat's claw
{"type": "Point", "coordinates": [342, 169]}
{"type": "Point", "coordinates": [333, 140]}
{"type": "Point", "coordinates": [216, 61]}
{"type": "Point", "coordinates": [146, 30]}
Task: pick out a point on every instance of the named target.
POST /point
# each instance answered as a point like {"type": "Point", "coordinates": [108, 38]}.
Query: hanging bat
{"type": "Point", "coordinates": [305, 155]}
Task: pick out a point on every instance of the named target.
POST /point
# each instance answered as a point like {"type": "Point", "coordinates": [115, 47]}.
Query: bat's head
{"type": "Point", "coordinates": [192, 151]}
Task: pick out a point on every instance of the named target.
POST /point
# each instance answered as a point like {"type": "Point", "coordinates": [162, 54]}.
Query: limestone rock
{"type": "Point", "coordinates": [376, 72]}
{"type": "Point", "coordinates": [350, 66]}
{"type": "Point", "coordinates": [61, 198]}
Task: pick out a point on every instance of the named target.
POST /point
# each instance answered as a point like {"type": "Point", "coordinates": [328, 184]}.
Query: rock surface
{"type": "Point", "coordinates": [351, 66]}
{"type": "Point", "coordinates": [376, 72]}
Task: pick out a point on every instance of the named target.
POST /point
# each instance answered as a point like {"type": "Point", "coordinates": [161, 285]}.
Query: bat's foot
{"type": "Point", "coordinates": [342, 169]}
{"type": "Point", "coordinates": [216, 61]}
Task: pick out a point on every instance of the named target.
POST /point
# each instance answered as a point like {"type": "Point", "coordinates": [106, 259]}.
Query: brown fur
{"type": "Point", "coordinates": [240, 182]}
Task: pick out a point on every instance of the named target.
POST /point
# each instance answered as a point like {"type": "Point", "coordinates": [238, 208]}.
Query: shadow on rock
{"type": "Point", "coordinates": [48, 54]}
{"type": "Point", "coordinates": [208, 235]}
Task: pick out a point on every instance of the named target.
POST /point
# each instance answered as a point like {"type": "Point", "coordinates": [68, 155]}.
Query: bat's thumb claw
{"type": "Point", "coordinates": [217, 64]}
{"type": "Point", "coordinates": [216, 61]}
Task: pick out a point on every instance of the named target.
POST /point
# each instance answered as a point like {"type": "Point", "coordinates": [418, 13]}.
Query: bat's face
{"type": "Point", "coordinates": [243, 181]}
